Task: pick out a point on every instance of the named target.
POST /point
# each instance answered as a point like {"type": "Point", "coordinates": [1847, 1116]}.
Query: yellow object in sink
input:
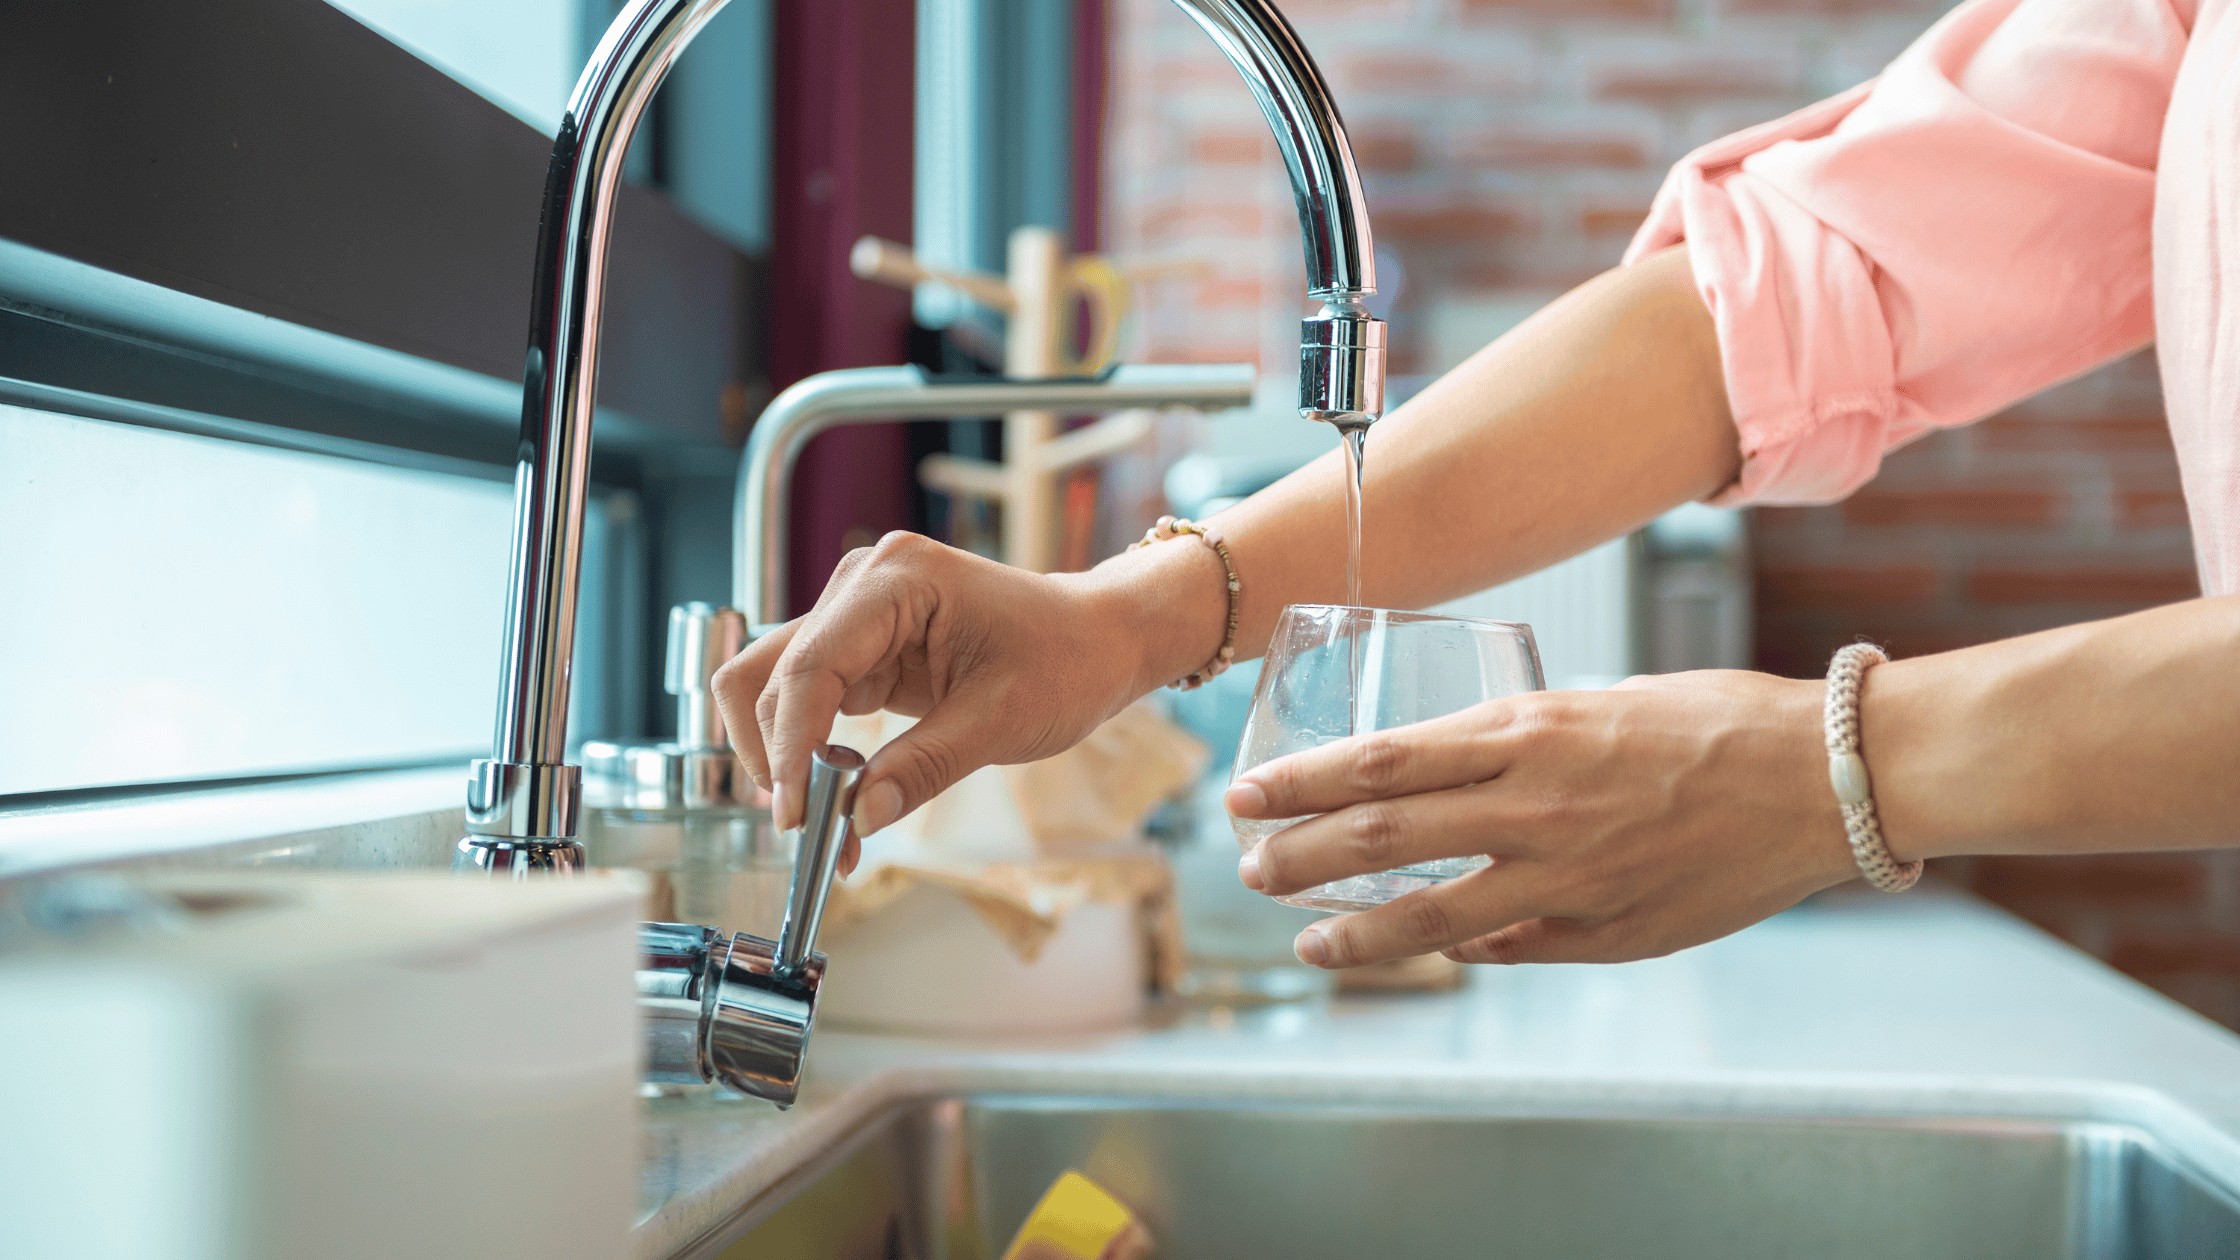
{"type": "Point", "coordinates": [1078, 1220]}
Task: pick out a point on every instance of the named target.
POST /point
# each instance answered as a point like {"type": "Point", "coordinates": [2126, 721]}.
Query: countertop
{"type": "Point", "coordinates": [1852, 1004]}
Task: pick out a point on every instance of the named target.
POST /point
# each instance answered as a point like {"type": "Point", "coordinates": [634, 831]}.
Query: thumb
{"type": "Point", "coordinates": [918, 765]}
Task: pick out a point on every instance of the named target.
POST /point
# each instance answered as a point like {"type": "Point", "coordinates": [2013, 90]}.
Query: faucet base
{"type": "Point", "coordinates": [725, 1011]}
{"type": "Point", "coordinates": [502, 858]}
{"type": "Point", "coordinates": [529, 802]}
{"type": "Point", "coordinates": [664, 776]}
{"type": "Point", "coordinates": [761, 1013]}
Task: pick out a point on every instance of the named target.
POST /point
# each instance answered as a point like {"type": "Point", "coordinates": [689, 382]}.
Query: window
{"type": "Point", "coordinates": [183, 607]}
{"type": "Point", "coordinates": [264, 277]}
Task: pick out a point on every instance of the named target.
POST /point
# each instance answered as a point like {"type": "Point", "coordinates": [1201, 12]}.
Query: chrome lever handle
{"type": "Point", "coordinates": [740, 1011]}
{"type": "Point", "coordinates": [834, 772]}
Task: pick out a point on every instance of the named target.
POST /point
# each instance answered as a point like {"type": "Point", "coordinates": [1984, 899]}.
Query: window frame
{"type": "Point", "coordinates": [280, 158]}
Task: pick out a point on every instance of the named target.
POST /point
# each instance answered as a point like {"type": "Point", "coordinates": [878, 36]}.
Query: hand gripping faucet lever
{"type": "Point", "coordinates": [739, 1012]}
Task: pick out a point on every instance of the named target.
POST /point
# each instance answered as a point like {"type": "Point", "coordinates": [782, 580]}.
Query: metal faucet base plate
{"type": "Point", "coordinates": [502, 858]}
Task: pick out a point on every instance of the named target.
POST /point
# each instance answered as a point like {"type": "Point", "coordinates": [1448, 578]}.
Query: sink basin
{"type": "Point", "coordinates": [951, 1179]}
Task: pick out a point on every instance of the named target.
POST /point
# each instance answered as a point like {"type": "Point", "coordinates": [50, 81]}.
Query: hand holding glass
{"type": "Point", "coordinates": [1333, 672]}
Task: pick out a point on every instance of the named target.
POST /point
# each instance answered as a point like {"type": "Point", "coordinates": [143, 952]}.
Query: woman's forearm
{"type": "Point", "coordinates": [2111, 735]}
{"type": "Point", "coordinates": [1601, 411]}
{"type": "Point", "coordinates": [1586, 421]}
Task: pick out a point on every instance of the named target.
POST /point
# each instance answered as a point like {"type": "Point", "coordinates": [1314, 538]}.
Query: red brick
{"type": "Point", "coordinates": [1954, 505]}
{"type": "Point", "coordinates": [2082, 586]}
{"type": "Point", "coordinates": [1642, 9]}
{"type": "Point", "coordinates": [1838, 587]}
{"type": "Point", "coordinates": [2139, 952]}
{"type": "Point", "coordinates": [1512, 147]}
{"type": "Point", "coordinates": [2024, 431]}
{"type": "Point", "coordinates": [1181, 348]}
{"type": "Point", "coordinates": [1910, 642]}
{"type": "Point", "coordinates": [1390, 71]}
{"type": "Point", "coordinates": [1452, 222]}
{"type": "Point", "coordinates": [2121, 879]}
{"type": "Point", "coordinates": [1678, 80]}
{"type": "Point", "coordinates": [1230, 291]}
{"type": "Point", "coordinates": [1799, 654]}
{"type": "Point", "coordinates": [2150, 509]}
{"type": "Point", "coordinates": [1387, 73]}
{"type": "Point", "coordinates": [1188, 219]}
{"type": "Point", "coordinates": [1612, 218]}
{"type": "Point", "coordinates": [2078, 925]}
{"type": "Point", "coordinates": [1771, 520]}
{"type": "Point", "coordinates": [1310, 11]}
{"type": "Point", "coordinates": [1388, 150]}
{"type": "Point", "coordinates": [1230, 146]}
{"type": "Point", "coordinates": [1195, 70]}
{"type": "Point", "coordinates": [1507, 274]}
{"type": "Point", "coordinates": [2215, 996]}
{"type": "Point", "coordinates": [1826, 8]}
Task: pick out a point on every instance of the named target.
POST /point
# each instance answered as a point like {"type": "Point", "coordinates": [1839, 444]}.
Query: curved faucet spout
{"type": "Point", "coordinates": [1333, 217]}
{"type": "Point", "coordinates": [522, 802]}
{"type": "Point", "coordinates": [524, 797]}
{"type": "Point", "coordinates": [1341, 347]}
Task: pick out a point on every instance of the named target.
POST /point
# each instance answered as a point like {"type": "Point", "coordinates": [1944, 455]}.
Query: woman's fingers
{"type": "Point", "coordinates": [1427, 920]}
{"type": "Point", "coordinates": [1538, 941]}
{"type": "Point", "coordinates": [870, 693]}
{"type": "Point", "coordinates": [1381, 835]}
{"type": "Point", "coordinates": [1451, 751]}
{"type": "Point", "coordinates": [860, 625]}
{"type": "Point", "coordinates": [808, 691]}
{"type": "Point", "coordinates": [750, 694]}
{"type": "Point", "coordinates": [1622, 824]}
{"type": "Point", "coordinates": [738, 685]}
{"type": "Point", "coordinates": [741, 689]}
{"type": "Point", "coordinates": [918, 765]}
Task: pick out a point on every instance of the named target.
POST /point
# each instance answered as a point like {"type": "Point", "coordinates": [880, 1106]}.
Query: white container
{"type": "Point", "coordinates": [340, 1066]}
{"type": "Point", "coordinates": [928, 963]}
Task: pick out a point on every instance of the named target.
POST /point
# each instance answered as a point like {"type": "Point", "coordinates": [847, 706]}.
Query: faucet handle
{"type": "Point", "coordinates": [701, 638]}
{"type": "Point", "coordinates": [756, 1000]}
{"type": "Point", "coordinates": [834, 772]}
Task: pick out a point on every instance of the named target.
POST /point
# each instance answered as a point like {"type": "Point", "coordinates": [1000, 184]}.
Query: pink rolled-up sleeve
{"type": "Point", "coordinates": [1967, 229]}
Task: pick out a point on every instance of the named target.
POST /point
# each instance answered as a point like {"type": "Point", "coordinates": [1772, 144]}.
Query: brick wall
{"type": "Point", "coordinates": [1509, 148]}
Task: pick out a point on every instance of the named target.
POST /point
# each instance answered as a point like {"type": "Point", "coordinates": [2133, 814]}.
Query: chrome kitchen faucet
{"type": "Point", "coordinates": [523, 801]}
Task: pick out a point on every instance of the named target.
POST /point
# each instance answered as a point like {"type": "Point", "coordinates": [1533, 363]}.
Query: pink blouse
{"type": "Point", "coordinates": [2034, 188]}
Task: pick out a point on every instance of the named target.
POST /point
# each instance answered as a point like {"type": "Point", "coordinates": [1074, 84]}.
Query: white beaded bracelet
{"type": "Point", "coordinates": [1847, 771]}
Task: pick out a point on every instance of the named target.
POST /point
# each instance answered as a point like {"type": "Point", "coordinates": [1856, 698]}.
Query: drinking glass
{"type": "Point", "coordinates": [1335, 671]}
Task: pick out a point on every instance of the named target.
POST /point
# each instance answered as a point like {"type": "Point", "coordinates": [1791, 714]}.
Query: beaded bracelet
{"type": "Point", "coordinates": [1847, 771]}
{"type": "Point", "coordinates": [1175, 527]}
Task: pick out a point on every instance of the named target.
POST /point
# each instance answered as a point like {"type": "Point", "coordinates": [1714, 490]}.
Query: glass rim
{"type": "Point", "coordinates": [1413, 615]}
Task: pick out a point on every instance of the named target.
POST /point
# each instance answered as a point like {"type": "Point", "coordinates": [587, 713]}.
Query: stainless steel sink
{"type": "Point", "coordinates": [952, 1179]}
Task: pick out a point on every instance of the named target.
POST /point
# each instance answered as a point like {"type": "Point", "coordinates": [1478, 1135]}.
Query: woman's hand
{"type": "Point", "coordinates": [1623, 824]}
{"type": "Point", "coordinates": [1000, 665]}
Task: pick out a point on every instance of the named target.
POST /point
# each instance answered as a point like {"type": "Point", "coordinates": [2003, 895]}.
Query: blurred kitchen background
{"type": "Point", "coordinates": [1509, 149]}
